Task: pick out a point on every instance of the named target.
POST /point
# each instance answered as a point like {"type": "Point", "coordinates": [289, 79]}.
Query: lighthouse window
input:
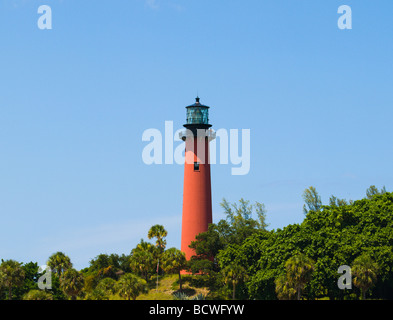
{"type": "Point", "coordinates": [196, 166]}
{"type": "Point", "coordinates": [197, 115]}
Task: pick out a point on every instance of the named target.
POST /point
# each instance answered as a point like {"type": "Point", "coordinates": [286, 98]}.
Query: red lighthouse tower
{"type": "Point", "coordinates": [197, 201]}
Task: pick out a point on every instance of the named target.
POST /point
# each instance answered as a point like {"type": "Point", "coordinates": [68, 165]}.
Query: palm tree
{"type": "Point", "coordinates": [107, 285]}
{"type": "Point", "coordinates": [143, 259]}
{"type": "Point", "coordinates": [72, 282]}
{"type": "Point", "coordinates": [131, 286]}
{"type": "Point", "coordinates": [174, 261]}
{"type": "Point", "coordinates": [284, 288]}
{"type": "Point", "coordinates": [234, 273]}
{"type": "Point", "coordinates": [59, 263]}
{"type": "Point", "coordinates": [298, 271]}
{"type": "Point", "coordinates": [11, 275]}
{"type": "Point", "coordinates": [158, 231]}
{"type": "Point", "coordinates": [364, 270]}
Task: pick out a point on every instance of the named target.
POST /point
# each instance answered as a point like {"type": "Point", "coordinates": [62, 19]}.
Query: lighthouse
{"type": "Point", "coordinates": [197, 200]}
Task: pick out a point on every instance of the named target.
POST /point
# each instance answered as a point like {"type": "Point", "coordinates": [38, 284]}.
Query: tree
{"type": "Point", "coordinates": [243, 219]}
{"type": "Point", "coordinates": [143, 259]}
{"type": "Point", "coordinates": [298, 272]}
{"type": "Point", "coordinates": [174, 261]}
{"type": "Point", "coordinates": [364, 271]}
{"type": "Point", "coordinates": [57, 291]}
{"type": "Point", "coordinates": [200, 266]}
{"type": "Point", "coordinates": [108, 285]}
{"type": "Point", "coordinates": [97, 294]}
{"type": "Point", "coordinates": [240, 219]}
{"type": "Point", "coordinates": [312, 200]}
{"type": "Point", "coordinates": [158, 231]}
{"type": "Point", "coordinates": [336, 202]}
{"type": "Point", "coordinates": [332, 237]}
{"type": "Point", "coordinates": [124, 263]}
{"type": "Point", "coordinates": [30, 270]}
{"type": "Point", "coordinates": [284, 288]}
{"type": "Point", "coordinates": [131, 286]}
{"type": "Point", "coordinates": [11, 275]}
{"type": "Point", "coordinates": [2, 285]}
{"type": "Point", "coordinates": [38, 295]}
{"type": "Point", "coordinates": [373, 190]}
{"type": "Point", "coordinates": [71, 282]}
{"type": "Point", "coordinates": [59, 263]}
{"type": "Point", "coordinates": [234, 273]}
{"type": "Point", "coordinates": [238, 225]}
{"type": "Point", "coordinates": [206, 247]}
{"type": "Point", "coordinates": [105, 288]}
{"type": "Point", "coordinates": [104, 261]}
{"type": "Point", "coordinates": [207, 244]}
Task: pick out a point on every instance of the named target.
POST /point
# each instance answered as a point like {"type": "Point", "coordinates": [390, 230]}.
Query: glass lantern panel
{"type": "Point", "coordinates": [197, 115]}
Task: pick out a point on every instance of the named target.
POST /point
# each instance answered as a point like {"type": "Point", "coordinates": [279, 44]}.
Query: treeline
{"type": "Point", "coordinates": [238, 258]}
{"type": "Point", "coordinates": [301, 261]}
{"type": "Point", "coordinates": [109, 276]}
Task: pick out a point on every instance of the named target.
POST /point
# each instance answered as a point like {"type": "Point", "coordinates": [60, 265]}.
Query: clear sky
{"type": "Point", "coordinates": [75, 101]}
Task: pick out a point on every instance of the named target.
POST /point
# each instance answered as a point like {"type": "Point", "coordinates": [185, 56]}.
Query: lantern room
{"type": "Point", "coordinates": [197, 115]}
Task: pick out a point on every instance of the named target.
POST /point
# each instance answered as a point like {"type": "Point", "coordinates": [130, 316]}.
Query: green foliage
{"type": "Point", "coordinates": [180, 296]}
{"type": "Point", "coordinates": [104, 289]}
{"type": "Point", "coordinates": [38, 295]}
{"type": "Point", "coordinates": [332, 236]}
{"type": "Point", "coordinates": [107, 285]}
{"type": "Point", "coordinates": [29, 284]}
{"type": "Point", "coordinates": [312, 200]}
{"type": "Point", "coordinates": [209, 243]}
{"type": "Point", "coordinates": [238, 226]}
{"type": "Point", "coordinates": [215, 248]}
{"type": "Point", "coordinates": [56, 290]}
{"type": "Point", "coordinates": [104, 267]}
{"type": "Point", "coordinates": [12, 275]}
{"type": "Point", "coordinates": [183, 296]}
{"type": "Point", "coordinates": [284, 288]}
{"type": "Point", "coordinates": [234, 273]}
{"type": "Point", "coordinates": [131, 286]}
{"type": "Point", "coordinates": [105, 261]}
{"type": "Point", "coordinates": [238, 257]}
{"type": "Point", "coordinates": [31, 276]}
{"type": "Point", "coordinates": [199, 297]}
{"type": "Point", "coordinates": [158, 231]}
{"type": "Point", "coordinates": [240, 219]}
{"type": "Point", "coordinates": [298, 270]}
{"type": "Point", "coordinates": [336, 202]}
{"type": "Point", "coordinates": [59, 263]}
{"type": "Point", "coordinates": [72, 282]}
{"type": "Point", "coordinates": [365, 271]}
{"type": "Point", "coordinates": [97, 294]}
{"type": "Point", "coordinates": [143, 260]}
{"type": "Point", "coordinates": [373, 190]}
{"type": "Point", "coordinates": [174, 261]}
{"type": "Point", "coordinates": [201, 266]}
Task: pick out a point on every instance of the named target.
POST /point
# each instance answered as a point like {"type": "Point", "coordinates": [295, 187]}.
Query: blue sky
{"type": "Point", "coordinates": [75, 101]}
